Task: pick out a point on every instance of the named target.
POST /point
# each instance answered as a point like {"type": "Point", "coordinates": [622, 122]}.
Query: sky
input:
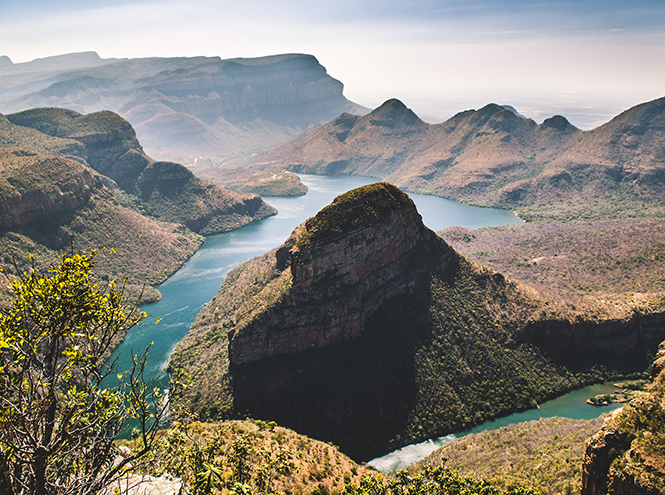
{"type": "Point", "coordinates": [587, 60]}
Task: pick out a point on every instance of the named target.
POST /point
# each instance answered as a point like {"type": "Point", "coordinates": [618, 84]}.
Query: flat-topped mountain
{"type": "Point", "coordinates": [183, 108]}
{"type": "Point", "coordinates": [367, 330]}
{"type": "Point", "coordinates": [495, 157]}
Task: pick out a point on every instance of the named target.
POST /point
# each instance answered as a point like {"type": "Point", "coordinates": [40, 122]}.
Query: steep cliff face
{"type": "Point", "coordinates": [34, 187]}
{"type": "Point", "coordinates": [624, 342]}
{"type": "Point", "coordinates": [363, 249]}
{"type": "Point", "coordinates": [111, 147]}
{"type": "Point", "coordinates": [367, 330]}
{"type": "Point", "coordinates": [627, 456]}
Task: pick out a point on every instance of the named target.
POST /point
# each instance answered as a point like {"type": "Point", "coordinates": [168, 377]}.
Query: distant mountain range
{"type": "Point", "coordinates": [496, 157]}
{"type": "Point", "coordinates": [184, 109]}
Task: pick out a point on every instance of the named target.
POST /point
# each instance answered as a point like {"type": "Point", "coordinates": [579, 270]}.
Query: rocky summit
{"type": "Point", "coordinates": [344, 264]}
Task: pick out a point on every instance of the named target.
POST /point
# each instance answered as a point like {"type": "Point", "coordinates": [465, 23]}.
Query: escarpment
{"type": "Point", "coordinates": [367, 330]}
{"type": "Point", "coordinates": [34, 187]}
{"type": "Point", "coordinates": [107, 143]}
{"type": "Point", "coordinates": [110, 144]}
{"type": "Point", "coordinates": [365, 248]}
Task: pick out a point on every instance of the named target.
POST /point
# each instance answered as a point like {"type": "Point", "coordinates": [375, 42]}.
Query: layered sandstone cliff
{"type": "Point", "coordinates": [367, 330]}
{"type": "Point", "coordinates": [363, 249]}
{"type": "Point", "coordinates": [34, 187]}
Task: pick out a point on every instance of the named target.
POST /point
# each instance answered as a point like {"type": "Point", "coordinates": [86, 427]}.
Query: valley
{"type": "Point", "coordinates": [84, 182]}
{"type": "Point", "coordinates": [354, 323]}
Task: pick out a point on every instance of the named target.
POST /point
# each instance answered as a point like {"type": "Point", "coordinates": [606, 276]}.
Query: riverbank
{"type": "Point", "coordinates": [571, 405]}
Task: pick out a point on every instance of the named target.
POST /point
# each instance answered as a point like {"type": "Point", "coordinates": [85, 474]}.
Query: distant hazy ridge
{"type": "Point", "coordinates": [183, 108]}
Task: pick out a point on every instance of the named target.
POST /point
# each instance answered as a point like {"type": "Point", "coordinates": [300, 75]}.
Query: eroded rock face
{"type": "Point", "coordinates": [600, 451]}
{"type": "Point", "coordinates": [40, 186]}
{"type": "Point", "coordinates": [340, 266]}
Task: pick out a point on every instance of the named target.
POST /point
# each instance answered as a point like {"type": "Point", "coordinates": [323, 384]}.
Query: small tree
{"type": "Point", "coordinates": [58, 422]}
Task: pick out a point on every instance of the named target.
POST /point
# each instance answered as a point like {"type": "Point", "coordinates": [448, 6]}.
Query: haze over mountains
{"type": "Point", "coordinates": [364, 328]}
{"type": "Point", "coordinates": [185, 108]}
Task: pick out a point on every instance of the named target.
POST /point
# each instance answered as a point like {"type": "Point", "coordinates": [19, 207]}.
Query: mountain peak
{"type": "Point", "coordinates": [393, 112]}
{"type": "Point", "coordinates": [5, 60]}
{"type": "Point", "coordinates": [356, 209]}
{"type": "Point", "coordinates": [559, 123]}
{"type": "Point", "coordinates": [361, 250]}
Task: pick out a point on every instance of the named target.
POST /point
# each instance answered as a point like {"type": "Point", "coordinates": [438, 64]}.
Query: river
{"type": "Point", "coordinates": [191, 287]}
{"type": "Point", "coordinates": [571, 405]}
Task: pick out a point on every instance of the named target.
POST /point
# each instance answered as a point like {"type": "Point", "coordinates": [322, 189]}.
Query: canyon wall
{"type": "Point", "coordinates": [626, 456]}
{"type": "Point", "coordinates": [362, 250]}
{"type": "Point", "coordinates": [37, 187]}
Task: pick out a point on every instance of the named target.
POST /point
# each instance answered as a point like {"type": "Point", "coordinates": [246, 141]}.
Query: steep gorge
{"type": "Point", "coordinates": [367, 330]}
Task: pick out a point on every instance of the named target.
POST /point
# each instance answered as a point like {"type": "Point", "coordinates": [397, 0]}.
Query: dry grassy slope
{"type": "Point", "coordinates": [147, 250]}
{"type": "Point", "coordinates": [606, 269]}
{"type": "Point", "coordinates": [165, 191]}
{"type": "Point", "coordinates": [264, 183]}
{"type": "Point", "coordinates": [494, 157]}
{"type": "Point", "coordinates": [544, 455]}
{"type": "Point", "coordinates": [288, 462]}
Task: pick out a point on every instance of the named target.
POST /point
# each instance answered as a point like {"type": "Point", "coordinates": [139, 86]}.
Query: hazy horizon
{"type": "Point", "coordinates": [585, 60]}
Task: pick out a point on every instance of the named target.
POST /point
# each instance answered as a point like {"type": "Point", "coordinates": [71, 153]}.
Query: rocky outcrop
{"type": "Point", "coordinates": [363, 249]}
{"type": "Point", "coordinates": [35, 187]}
{"type": "Point", "coordinates": [135, 484]}
{"type": "Point", "coordinates": [111, 147]}
{"type": "Point", "coordinates": [626, 456]}
{"type": "Point", "coordinates": [367, 330]}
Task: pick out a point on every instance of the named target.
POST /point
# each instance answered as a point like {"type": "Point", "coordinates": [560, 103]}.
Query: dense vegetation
{"type": "Point", "coordinates": [253, 457]}
{"type": "Point", "coordinates": [58, 421]}
{"type": "Point", "coordinates": [169, 192]}
{"type": "Point", "coordinates": [352, 210]}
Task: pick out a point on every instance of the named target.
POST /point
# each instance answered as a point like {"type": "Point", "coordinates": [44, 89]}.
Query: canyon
{"type": "Point", "coordinates": [369, 320]}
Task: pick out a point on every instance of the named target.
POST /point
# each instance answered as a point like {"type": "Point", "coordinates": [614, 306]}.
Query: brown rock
{"type": "Point", "coordinates": [344, 263]}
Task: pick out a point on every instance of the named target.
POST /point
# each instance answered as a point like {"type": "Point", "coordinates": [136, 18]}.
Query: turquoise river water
{"type": "Point", "coordinates": [195, 284]}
